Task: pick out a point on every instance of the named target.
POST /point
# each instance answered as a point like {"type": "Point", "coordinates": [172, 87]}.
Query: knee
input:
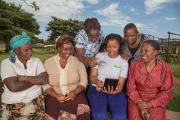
{"type": "Point", "coordinates": [119, 117]}
{"type": "Point", "coordinates": [99, 116]}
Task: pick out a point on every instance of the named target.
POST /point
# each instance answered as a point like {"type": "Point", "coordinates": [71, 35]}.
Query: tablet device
{"type": "Point", "coordinates": [111, 82]}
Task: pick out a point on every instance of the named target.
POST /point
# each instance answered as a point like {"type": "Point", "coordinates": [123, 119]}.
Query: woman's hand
{"type": "Point", "coordinates": [60, 98]}
{"type": "Point", "coordinates": [92, 62]}
{"type": "Point", "coordinates": [144, 113]}
{"type": "Point", "coordinates": [144, 105]}
{"type": "Point", "coordinates": [22, 78]}
{"type": "Point", "coordinates": [118, 89]}
{"type": "Point", "coordinates": [109, 90]}
{"type": "Point", "coordinates": [71, 95]}
{"type": "Point", "coordinates": [99, 85]}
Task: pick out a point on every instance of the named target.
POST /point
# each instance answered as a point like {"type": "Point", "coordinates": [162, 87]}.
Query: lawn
{"type": "Point", "coordinates": [174, 105]}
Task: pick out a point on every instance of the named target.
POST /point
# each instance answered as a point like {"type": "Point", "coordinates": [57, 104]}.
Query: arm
{"type": "Point", "coordinates": [41, 79]}
{"type": "Point", "coordinates": [86, 60]}
{"type": "Point", "coordinates": [165, 93]}
{"type": "Point", "coordinates": [120, 85]}
{"type": "Point", "coordinates": [10, 79]}
{"type": "Point", "coordinates": [14, 85]}
{"type": "Point", "coordinates": [132, 92]}
{"type": "Point", "coordinates": [93, 78]}
{"type": "Point", "coordinates": [58, 97]}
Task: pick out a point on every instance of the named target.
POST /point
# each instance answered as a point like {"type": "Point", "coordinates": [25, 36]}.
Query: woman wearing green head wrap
{"type": "Point", "coordinates": [23, 76]}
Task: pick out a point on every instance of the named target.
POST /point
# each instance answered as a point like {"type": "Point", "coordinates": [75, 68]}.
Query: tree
{"type": "Point", "coordinates": [58, 27]}
{"type": "Point", "coordinates": [14, 20]}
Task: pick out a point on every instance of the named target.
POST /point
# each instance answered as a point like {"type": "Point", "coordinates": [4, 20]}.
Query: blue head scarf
{"type": "Point", "coordinates": [18, 41]}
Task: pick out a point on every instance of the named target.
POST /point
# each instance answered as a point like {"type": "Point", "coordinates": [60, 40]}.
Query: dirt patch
{"type": "Point", "coordinates": [177, 82]}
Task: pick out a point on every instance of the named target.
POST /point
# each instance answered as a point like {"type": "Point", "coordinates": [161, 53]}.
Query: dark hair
{"type": "Point", "coordinates": [113, 36]}
{"type": "Point", "coordinates": [91, 23]}
{"type": "Point", "coordinates": [63, 40]}
{"type": "Point", "coordinates": [130, 26]}
{"type": "Point", "coordinates": [153, 43]}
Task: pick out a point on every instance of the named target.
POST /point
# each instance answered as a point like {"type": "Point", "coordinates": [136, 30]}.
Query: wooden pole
{"type": "Point", "coordinates": [167, 50]}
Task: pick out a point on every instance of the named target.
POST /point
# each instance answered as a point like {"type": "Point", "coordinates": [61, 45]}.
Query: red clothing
{"type": "Point", "coordinates": [154, 87]}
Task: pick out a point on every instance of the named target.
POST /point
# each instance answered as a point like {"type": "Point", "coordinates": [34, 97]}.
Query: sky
{"type": "Point", "coordinates": [154, 17]}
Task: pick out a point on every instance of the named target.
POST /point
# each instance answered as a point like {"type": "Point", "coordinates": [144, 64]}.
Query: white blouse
{"type": "Point", "coordinates": [9, 69]}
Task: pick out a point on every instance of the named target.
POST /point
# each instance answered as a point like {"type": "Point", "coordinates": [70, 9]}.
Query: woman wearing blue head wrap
{"type": "Point", "coordinates": [23, 76]}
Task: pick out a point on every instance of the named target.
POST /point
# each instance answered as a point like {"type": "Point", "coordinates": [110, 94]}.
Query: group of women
{"type": "Point", "coordinates": [64, 80]}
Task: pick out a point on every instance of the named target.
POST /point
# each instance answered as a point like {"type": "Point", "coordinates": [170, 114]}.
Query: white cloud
{"type": "Point", "coordinates": [170, 18]}
{"type": "Point", "coordinates": [148, 27]}
{"type": "Point", "coordinates": [132, 9]}
{"type": "Point", "coordinates": [113, 16]}
{"type": "Point", "coordinates": [60, 8]}
{"type": "Point", "coordinates": [93, 1]}
{"type": "Point", "coordinates": [155, 5]}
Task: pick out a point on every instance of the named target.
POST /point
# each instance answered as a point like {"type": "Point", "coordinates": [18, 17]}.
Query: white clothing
{"type": "Point", "coordinates": [111, 67]}
{"type": "Point", "coordinates": [9, 69]}
{"type": "Point", "coordinates": [90, 49]}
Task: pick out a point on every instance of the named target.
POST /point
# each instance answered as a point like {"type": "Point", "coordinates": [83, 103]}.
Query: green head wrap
{"type": "Point", "coordinates": [18, 41]}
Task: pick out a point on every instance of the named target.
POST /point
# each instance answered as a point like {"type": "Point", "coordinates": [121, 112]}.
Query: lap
{"type": "Point", "coordinates": [73, 108]}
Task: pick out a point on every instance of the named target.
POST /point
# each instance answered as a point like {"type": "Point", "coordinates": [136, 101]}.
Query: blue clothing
{"type": "Point", "coordinates": [18, 41]}
{"type": "Point", "coordinates": [100, 101]}
{"type": "Point", "coordinates": [90, 49]}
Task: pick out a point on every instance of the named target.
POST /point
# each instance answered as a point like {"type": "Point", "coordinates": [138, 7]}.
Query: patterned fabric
{"type": "Point", "coordinates": [33, 110]}
{"type": "Point", "coordinates": [154, 87]}
{"type": "Point", "coordinates": [124, 49]}
{"type": "Point", "coordinates": [16, 42]}
{"type": "Point", "coordinates": [77, 109]}
{"type": "Point", "coordinates": [82, 109]}
{"type": "Point", "coordinates": [91, 49]}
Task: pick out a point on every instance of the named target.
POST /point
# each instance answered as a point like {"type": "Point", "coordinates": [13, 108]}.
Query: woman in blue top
{"type": "Point", "coordinates": [111, 65]}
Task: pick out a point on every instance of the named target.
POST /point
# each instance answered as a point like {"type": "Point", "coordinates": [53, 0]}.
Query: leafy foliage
{"type": "Point", "coordinates": [14, 20]}
{"type": "Point", "coordinates": [58, 27]}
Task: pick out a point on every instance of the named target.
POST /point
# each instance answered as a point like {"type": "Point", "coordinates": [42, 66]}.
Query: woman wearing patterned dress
{"type": "Point", "coordinates": [22, 76]}
{"type": "Point", "coordinates": [149, 86]}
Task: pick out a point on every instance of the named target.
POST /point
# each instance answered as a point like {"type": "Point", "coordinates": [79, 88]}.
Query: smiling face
{"type": "Point", "coordinates": [131, 36]}
{"type": "Point", "coordinates": [24, 53]}
{"type": "Point", "coordinates": [113, 48]}
{"type": "Point", "coordinates": [148, 52]}
{"type": "Point", "coordinates": [93, 35]}
{"type": "Point", "coordinates": [65, 50]}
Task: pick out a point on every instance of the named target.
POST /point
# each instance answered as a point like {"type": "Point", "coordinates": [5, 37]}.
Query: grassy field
{"type": "Point", "coordinates": [174, 105]}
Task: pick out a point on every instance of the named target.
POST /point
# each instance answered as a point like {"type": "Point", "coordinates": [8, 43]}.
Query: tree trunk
{"type": "Point", "coordinates": [7, 46]}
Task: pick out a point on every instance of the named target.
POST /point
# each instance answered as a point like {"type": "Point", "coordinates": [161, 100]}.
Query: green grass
{"type": "Point", "coordinates": [174, 105]}
{"type": "Point", "coordinates": [175, 68]}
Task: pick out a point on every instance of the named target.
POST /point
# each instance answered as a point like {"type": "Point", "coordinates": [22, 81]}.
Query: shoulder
{"type": "Point", "coordinates": [80, 34]}
{"type": "Point", "coordinates": [123, 61]}
{"type": "Point", "coordinates": [101, 54]}
{"type": "Point", "coordinates": [164, 65]}
{"type": "Point", "coordinates": [49, 60]}
{"type": "Point", "coordinates": [137, 63]}
{"type": "Point", "coordinates": [101, 34]}
{"type": "Point", "coordinates": [34, 59]}
{"type": "Point", "coordinates": [6, 61]}
{"type": "Point", "coordinates": [74, 59]}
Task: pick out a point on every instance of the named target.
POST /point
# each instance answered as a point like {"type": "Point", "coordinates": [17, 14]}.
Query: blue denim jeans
{"type": "Point", "coordinates": [100, 102]}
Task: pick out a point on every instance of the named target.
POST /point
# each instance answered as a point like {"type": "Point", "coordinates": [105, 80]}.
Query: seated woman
{"type": "Point", "coordinates": [22, 76]}
{"type": "Point", "coordinates": [149, 86]}
{"type": "Point", "coordinates": [111, 65]}
{"type": "Point", "coordinates": [67, 81]}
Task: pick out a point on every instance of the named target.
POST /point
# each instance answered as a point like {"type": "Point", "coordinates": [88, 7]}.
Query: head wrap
{"type": "Point", "coordinates": [18, 41]}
